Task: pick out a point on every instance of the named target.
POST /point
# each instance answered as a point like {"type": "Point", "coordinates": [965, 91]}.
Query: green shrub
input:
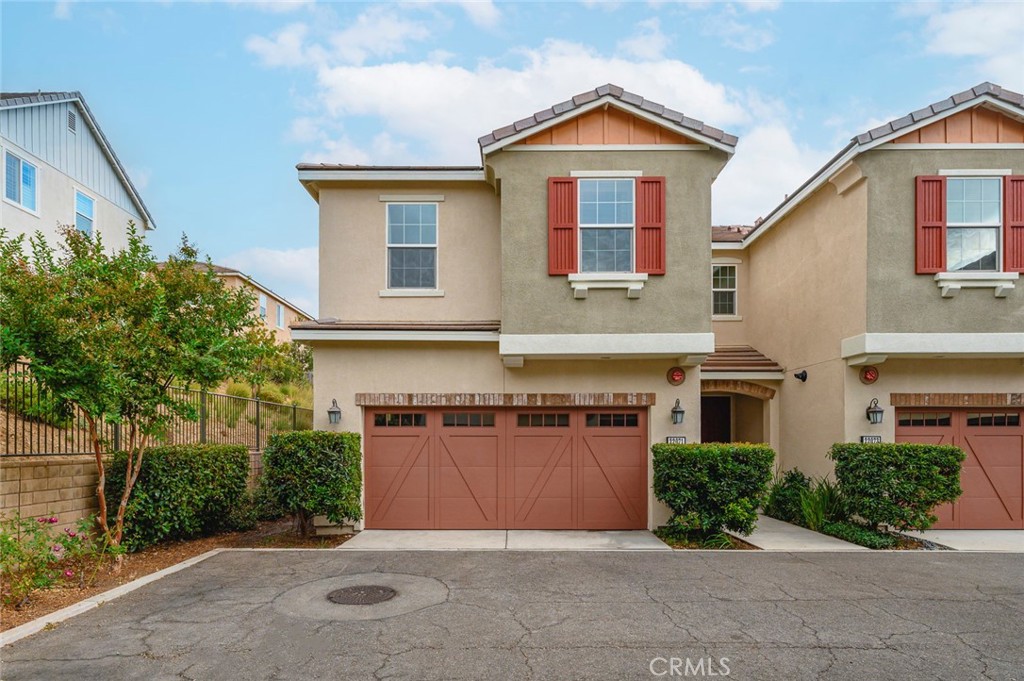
{"type": "Point", "coordinates": [783, 500]}
{"type": "Point", "coordinates": [312, 473]}
{"type": "Point", "coordinates": [858, 534]}
{"type": "Point", "coordinates": [822, 503]}
{"type": "Point", "coordinates": [20, 393]}
{"type": "Point", "coordinates": [712, 486]}
{"type": "Point", "coordinates": [182, 492]}
{"type": "Point", "coordinates": [897, 484]}
{"type": "Point", "coordinates": [238, 390]}
{"type": "Point", "coordinates": [268, 394]}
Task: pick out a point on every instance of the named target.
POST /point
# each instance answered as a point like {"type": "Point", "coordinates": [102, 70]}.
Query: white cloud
{"type": "Point", "coordinates": [768, 164]}
{"type": "Point", "coordinates": [377, 32]}
{"type": "Point", "coordinates": [647, 42]}
{"type": "Point", "coordinates": [761, 5]}
{"type": "Point", "coordinates": [273, 6]}
{"type": "Point", "coordinates": [283, 48]}
{"type": "Point", "coordinates": [739, 35]}
{"type": "Point", "coordinates": [464, 103]}
{"type": "Point", "coordinates": [62, 10]}
{"type": "Point", "coordinates": [290, 272]}
{"type": "Point", "coordinates": [483, 13]}
{"type": "Point", "coordinates": [991, 32]}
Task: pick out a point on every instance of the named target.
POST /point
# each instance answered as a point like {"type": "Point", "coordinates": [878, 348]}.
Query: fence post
{"type": "Point", "coordinates": [295, 422]}
{"type": "Point", "coordinates": [202, 417]}
{"type": "Point", "coordinates": [117, 437]}
{"type": "Point", "coordinates": [258, 403]}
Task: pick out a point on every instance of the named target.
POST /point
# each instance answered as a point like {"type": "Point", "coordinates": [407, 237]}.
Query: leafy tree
{"type": "Point", "coordinates": [109, 332]}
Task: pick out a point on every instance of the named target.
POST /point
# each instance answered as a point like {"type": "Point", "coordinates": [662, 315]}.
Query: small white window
{"type": "Point", "coordinates": [606, 218]}
{"type": "Point", "coordinates": [20, 182]}
{"type": "Point", "coordinates": [412, 245]}
{"type": "Point", "coordinates": [723, 289]}
{"type": "Point", "coordinates": [974, 212]}
{"type": "Point", "coordinates": [263, 306]}
{"type": "Point", "coordinates": [85, 208]}
{"type": "Point", "coordinates": [280, 316]}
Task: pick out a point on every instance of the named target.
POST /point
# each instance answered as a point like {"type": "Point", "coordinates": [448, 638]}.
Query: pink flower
{"type": "Point", "coordinates": [71, 533]}
{"type": "Point", "coordinates": [57, 550]}
{"type": "Point", "coordinates": [42, 520]}
{"type": "Point", "coordinates": [53, 520]}
{"type": "Point", "coordinates": [69, 573]}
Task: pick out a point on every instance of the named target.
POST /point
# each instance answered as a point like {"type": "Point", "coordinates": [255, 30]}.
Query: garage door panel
{"type": "Point", "coordinates": [405, 513]}
{"type": "Point", "coordinates": [548, 513]}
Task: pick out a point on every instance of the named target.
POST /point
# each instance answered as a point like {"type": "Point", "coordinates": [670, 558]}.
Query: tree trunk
{"type": "Point", "coordinates": [101, 494]}
{"type": "Point", "coordinates": [303, 524]}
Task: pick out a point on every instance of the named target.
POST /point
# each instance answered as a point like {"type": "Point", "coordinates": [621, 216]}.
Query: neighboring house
{"type": "Point", "coordinates": [276, 311]}
{"type": "Point", "coordinates": [60, 169]}
{"type": "Point", "coordinates": [510, 339]}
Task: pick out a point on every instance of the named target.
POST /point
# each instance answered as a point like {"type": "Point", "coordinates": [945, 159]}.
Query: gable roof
{"type": "Point", "coordinates": [14, 100]}
{"type": "Point", "coordinates": [990, 94]}
{"type": "Point", "coordinates": [222, 271]}
{"type": "Point", "coordinates": [615, 95]}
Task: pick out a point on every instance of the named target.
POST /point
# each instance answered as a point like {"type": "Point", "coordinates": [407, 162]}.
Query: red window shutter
{"type": "Point", "coordinates": [562, 225]}
{"type": "Point", "coordinates": [931, 224]}
{"type": "Point", "coordinates": [1013, 223]}
{"type": "Point", "coordinates": [650, 225]}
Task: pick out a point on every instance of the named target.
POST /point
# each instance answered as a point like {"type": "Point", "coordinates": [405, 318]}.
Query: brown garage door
{"type": "Point", "coordinates": [495, 469]}
{"type": "Point", "coordinates": [992, 476]}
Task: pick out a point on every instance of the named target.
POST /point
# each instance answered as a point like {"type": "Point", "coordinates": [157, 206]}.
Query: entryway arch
{"type": "Point", "coordinates": [735, 410]}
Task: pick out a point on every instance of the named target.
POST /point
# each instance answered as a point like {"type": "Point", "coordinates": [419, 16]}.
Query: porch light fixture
{"type": "Point", "coordinates": [801, 376]}
{"type": "Point", "coordinates": [874, 412]}
{"type": "Point", "coordinates": [334, 413]}
{"type": "Point", "coordinates": [677, 414]}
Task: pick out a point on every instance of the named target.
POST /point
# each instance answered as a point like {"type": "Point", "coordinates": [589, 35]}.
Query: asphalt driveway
{"type": "Point", "coordinates": [512, 615]}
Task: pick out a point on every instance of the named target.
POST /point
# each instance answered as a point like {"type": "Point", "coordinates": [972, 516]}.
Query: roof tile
{"type": "Point", "coordinates": [653, 107]}
{"type": "Point", "coordinates": [585, 98]}
{"type": "Point", "coordinates": [524, 123]}
{"type": "Point", "coordinates": [630, 98]}
{"type": "Point", "coordinates": [961, 97]}
{"type": "Point", "coordinates": [921, 114]}
{"type": "Point", "coordinates": [692, 123]}
{"type": "Point", "coordinates": [604, 90]}
{"type": "Point", "coordinates": [672, 115]}
{"type": "Point", "coordinates": [902, 122]}
{"type": "Point", "coordinates": [543, 115]}
{"type": "Point", "coordinates": [562, 107]}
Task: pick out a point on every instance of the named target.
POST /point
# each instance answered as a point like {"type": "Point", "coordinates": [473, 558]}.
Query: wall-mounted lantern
{"type": "Point", "coordinates": [334, 413]}
{"type": "Point", "coordinates": [874, 412]}
{"type": "Point", "coordinates": [678, 413]}
{"type": "Point", "coordinates": [801, 376]}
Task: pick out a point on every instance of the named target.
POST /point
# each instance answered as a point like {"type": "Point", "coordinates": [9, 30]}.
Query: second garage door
{"type": "Point", "coordinates": [506, 469]}
{"type": "Point", "coordinates": [992, 476]}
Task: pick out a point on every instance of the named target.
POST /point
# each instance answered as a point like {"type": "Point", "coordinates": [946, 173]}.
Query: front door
{"type": "Point", "coordinates": [715, 418]}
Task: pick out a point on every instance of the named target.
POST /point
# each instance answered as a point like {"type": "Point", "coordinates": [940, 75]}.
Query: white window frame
{"type": "Point", "coordinates": [404, 292]}
{"type": "Point", "coordinates": [735, 314]}
{"type": "Point", "coordinates": [21, 162]}
{"type": "Point", "coordinates": [600, 177]}
{"type": "Point", "coordinates": [263, 306]}
{"type": "Point", "coordinates": [999, 226]}
{"type": "Point", "coordinates": [74, 208]}
{"type": "Point", "coordinates": [280, 316]}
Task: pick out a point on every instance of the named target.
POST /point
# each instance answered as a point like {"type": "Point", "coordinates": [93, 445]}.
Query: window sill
{"type": "Point", "coordinates": [950, 283]}
{"type": "Point", "coordinates": [411, 293]}
{"type": "Point", "coordinates": [582, 283]}
{"type": "Point", "coordinates": [726, 318]}
{"type": "Point", "coordinates": [34, 213]}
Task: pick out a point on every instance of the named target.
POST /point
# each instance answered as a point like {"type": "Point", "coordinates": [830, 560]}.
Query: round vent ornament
{"type": "Point", "coordinates": [676, 375]}
{"type": "Point", "coordinates": [868, 375]}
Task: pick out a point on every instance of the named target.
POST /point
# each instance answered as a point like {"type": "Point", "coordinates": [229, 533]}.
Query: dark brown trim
{"type": "Point", "coordinates": [336, 325]}
{"type": "Point", "coordinates": [956, 399]}
{"type": "Point", "coordinates": [505, 399]}
{"type": "Point", "coordinates": [740, 387]}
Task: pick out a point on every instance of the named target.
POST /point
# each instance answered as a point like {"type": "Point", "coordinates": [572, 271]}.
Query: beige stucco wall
{"type": "Point", "coordinates": [55, 204]}
{"type": "Point", "coordinates": [898, 300]}
{"type": "Point", "coordinates": [535, 303]}
{"type": "Point", "coordinates": [809, 274]}
{"type": "Point", "coordinates": [353, 253]}
{"type": "Point", "coordinates": [344, 370]}
{"type": "Point", "coordinates": [923, 376]}
{"type": "Point", "coordinates": [734, 331]}
{"type": "Point", "coordinates": [291, 315]}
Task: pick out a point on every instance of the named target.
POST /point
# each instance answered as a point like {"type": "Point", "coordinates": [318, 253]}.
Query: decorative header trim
{"type": "Point", "coordinates": [505, 399]}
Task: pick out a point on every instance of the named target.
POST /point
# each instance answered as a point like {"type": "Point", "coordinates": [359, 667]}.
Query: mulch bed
{"type": "Point", "coordinates": [276, 534]}
{"type": "Point", "coordinates": [677, 542]}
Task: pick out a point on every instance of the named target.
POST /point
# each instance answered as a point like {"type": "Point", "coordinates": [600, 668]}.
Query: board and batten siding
{"type": "Point", "coordinates": [43, 132]}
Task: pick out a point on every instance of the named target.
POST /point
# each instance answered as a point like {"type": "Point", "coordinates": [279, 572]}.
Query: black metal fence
{"type": "Point", "coordinates": [30, 424]}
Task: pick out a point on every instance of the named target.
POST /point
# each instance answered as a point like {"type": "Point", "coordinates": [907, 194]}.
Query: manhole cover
{"type": "Point", "coordinates": [361, 595]}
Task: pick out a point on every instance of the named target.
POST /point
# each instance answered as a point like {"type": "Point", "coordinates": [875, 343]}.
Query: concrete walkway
{"type": "Point", "coordinates": [776, 535]}
{"type": "Point", "coordinates": [498, 540]}
{"type": "Point", "coordinates": [1011, 541]}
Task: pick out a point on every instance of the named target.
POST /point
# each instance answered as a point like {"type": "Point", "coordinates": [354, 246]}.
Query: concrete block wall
{"type": "Point", "coordinates": [64, 486]}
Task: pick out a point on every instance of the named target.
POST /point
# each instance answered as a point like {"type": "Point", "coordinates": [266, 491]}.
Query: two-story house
{"type": "Point", "coordinates": [889, 282]}
{"type": "Point", "coordinates": [277, 313]}
{"type": "Point", "coordinates": [510, 338]}
{"type": "Point", "coordinates": [59, 169]}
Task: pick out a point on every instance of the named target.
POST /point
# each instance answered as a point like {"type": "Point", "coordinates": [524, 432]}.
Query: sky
{"type": "Point", "coordinates": [211, 104]}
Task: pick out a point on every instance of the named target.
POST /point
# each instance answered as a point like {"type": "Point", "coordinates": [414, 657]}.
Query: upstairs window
{"type": "Point", "coordinates": [723, 290]}
{"type": "Point", "coordinates": [19, 181]}
{"type": "Point", "coordinates": [280, 316]}
{"type": "Point", "coordinates": [412, 245]}
{"type": "Point", "coordinates": [85, 209]}
{"type": "Point", "coordinates": [969, 223]}
{"type": "Point", "coordinates": [263, 306]}
{"type": "Point", "coordinates": [606, 225]}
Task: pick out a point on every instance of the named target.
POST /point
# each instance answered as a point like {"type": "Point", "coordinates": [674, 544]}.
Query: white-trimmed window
{"type": "Point", "coordinates": [974, 222]}
{"type": "Point", "coordinates": [263, 306]}
{"type": "Point", "coordinates": [280, 316]}
{"type": "Point", "coordinates": [412, 245]}
{"type": "Point", "coordinates": [723, 290]}
{"type": "Point", "coordinates": [607, 218]}
{"type": "Point", "coordinates": [85, 213]}
{"type": "Point", "coordinates": [20, 181]}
